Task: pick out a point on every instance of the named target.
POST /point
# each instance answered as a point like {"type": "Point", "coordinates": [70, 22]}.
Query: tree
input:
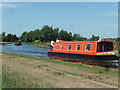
{"type": "Point", "coordinates": [24, 37]}
{"type": "Point", "coordinates": [10, 38]}
{"type": "Point", "coordinates": [47, 33]}
{"type": "Point", "coordinates": [14, 38]}
{"type": "Point", "coordinates": [70, 36]}
{"type": "Point", "coordinates": [64, 35]}
{"type": "Point", "coordinates": [94, 38]}
{"type": "Point", "coordinates": [55, 33]}
{"type": "Point", "coordinates": [77, 37]}
{"type": "Point", "coordinates": [3, 34]}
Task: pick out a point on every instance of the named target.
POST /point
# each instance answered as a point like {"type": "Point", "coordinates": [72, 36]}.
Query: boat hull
{"type": "Point", "coordinates": [18, 44]}
{"type": "Point", "coordinates": [109, 60]}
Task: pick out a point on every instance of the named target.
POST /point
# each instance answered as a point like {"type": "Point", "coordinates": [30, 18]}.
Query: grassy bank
{"type": "Point", "coordinates": [1, 43]}
{"type": "Point", "coordinates": [34, 72]}
{"type": "Point", "coordinates": [40, 44]}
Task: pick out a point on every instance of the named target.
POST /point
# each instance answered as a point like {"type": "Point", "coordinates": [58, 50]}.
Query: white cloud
{"type": "Point", "coordinates": [9, 5]}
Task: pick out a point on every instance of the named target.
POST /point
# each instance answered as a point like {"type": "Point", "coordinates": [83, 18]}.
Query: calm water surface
{"type": "Point", "coordinates": [24, 49]}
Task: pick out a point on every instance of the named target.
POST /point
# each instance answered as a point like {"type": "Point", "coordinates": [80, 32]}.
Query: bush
{"type": "Point", "coordinates": [37, 41]}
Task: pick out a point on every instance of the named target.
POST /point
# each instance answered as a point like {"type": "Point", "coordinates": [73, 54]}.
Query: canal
{"type": "Point", "coordinates": [24, 49]}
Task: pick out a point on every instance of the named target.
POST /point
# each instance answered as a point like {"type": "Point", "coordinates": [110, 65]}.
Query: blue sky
{"type": "Point", "coordinates": [85, 18]}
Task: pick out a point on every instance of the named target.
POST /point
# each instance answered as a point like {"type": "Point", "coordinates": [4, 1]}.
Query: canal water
{"type": "Point", "coordinates": [24, 49]}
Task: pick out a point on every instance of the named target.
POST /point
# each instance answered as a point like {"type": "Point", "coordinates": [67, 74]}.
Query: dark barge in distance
{"type": "Point", "coordinates": [95, 52]}
{"type": "Point", "coordinates": [18, 43]}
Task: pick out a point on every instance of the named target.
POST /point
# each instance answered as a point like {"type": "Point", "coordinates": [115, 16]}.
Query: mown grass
{"type": "Point", "coordinates": [14, 79]}
{"type": "Point", "coordinates": [92, 68]}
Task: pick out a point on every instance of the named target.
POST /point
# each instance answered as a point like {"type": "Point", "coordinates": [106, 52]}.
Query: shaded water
{"type": "Point", "coordinates": [24, 49]}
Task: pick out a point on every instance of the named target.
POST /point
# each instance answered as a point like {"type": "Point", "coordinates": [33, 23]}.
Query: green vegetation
{"type": "Point", "coordinates": [21, 71]}
{"type": "Point", "coordinates": [46, 34]}
{"type": "Point", "coordinates": [39, 44]}
{"type": "Point", "coordinates": [37, 41]}
{"type": "Point", "coordinates": [97, 69]}
{"type": "Point", "coordinates": [118, 43]}
{"type": "Point", "coordinates": [13, 80]}
{"type": "Point", "coordinates": [94, 38]}
{"type": "Point", "coordinates": [8, 37]}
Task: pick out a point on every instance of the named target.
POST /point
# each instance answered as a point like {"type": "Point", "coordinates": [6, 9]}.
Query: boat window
{"type": "Point", "coordinates": [77, 47]}
{"type": "Point", "coordinates": [69, 47]}
{"type": "Point", "coordinates": [62, 46]}
{"type": "Point", "coordinates": [58, 46]}
{"type": "Point", "coordinates": [87, 47]}
{"type": "Point", "coordinates": [104, 46]}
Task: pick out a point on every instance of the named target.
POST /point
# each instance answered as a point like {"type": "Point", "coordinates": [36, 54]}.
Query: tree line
{"type": "Point", "coordinates": [46, 34]}
{"type": "Point", "coordinates": [8, 37]}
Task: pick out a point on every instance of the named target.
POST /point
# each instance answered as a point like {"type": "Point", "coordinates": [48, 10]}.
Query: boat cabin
{"type": "Point", "coordinates": [97, 52]}
{"type": "Point", "coordinates": [83, 47]}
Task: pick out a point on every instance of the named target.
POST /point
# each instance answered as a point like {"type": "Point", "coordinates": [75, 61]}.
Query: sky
{"type": "Point", "coordinates": [84, 18]}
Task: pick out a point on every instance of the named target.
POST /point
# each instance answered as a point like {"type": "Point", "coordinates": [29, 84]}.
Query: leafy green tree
{"type": "Point", "coordinates": [55, 33]}
{"type": "Point", "coordinates": [3, 34]}
{"type": "Point", "coordinates": [63, 35]}
{"type": "Point", "coordinates": [24, 37]}
{"type": "Point", "coordinates": [2, 37]}
{"type": "Point", "coordinates": [77, 37]}
{"type": "Point", "coordinates": [47, 33]}
{"type": "Point", "coordinates": [14, 38]}
{"type": "Point", "coordinates": [70, 36]}
{"type": "Point", "coordinates": [94, 38]}
{"type": "Point", "coordinates": [10, 38]}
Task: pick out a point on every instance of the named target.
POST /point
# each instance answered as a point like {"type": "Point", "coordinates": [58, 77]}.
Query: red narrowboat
{"type": "Point", "coordinates": [96, 51]}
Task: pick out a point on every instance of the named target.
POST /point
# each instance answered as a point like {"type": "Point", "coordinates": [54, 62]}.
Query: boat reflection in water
{"type": "Point", "coordinates": [100, 53]}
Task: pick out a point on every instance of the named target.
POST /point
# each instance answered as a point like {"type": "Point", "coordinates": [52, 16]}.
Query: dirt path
{"type": "Point", "coordinates": [39, 74]}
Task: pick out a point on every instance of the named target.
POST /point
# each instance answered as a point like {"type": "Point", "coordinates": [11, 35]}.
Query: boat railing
{"type": "Point", "coordinates": [79, 41]}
